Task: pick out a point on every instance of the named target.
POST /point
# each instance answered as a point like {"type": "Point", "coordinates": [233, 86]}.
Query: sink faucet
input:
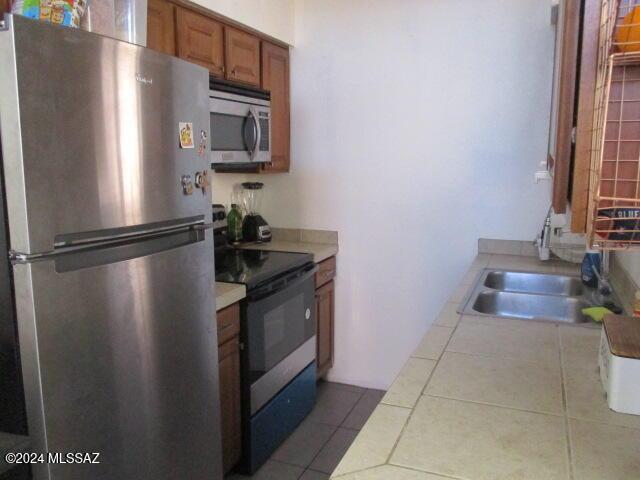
{"type": "Point", "coordinates": [604, 287]}
{"type": "Point", "coordinates": [543, 241]}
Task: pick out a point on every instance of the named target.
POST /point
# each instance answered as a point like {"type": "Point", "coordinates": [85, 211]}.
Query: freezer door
{"type": "Point", "coordinates": [91, 133]}
{"type": "Point", "coordinates": [121, 359]}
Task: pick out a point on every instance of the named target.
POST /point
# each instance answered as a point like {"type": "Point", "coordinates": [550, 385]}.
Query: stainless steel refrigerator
{"type": "Point", "coordinates": [109, 317]}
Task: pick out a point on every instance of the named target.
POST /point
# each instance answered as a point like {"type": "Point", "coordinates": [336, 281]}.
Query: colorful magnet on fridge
{"type": "Point", "coordinates": [186, 134]}
{"type": "Point", "coordinates": [203, 143]}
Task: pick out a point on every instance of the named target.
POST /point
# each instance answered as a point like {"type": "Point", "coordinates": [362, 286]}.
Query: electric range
{"type": "Point", "coordinates": [278, 338]}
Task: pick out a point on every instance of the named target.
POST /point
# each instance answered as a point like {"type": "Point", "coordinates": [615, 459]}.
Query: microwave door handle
{"type": "Point", "coordinates": [253, 152]}
{"type": "Point", "coordinates": [250, 133]}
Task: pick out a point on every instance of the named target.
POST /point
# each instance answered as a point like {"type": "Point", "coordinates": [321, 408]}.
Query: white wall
{"type": "Point", "coordinates": [631, 263]}
{"type": "Point", "coordinates": [417, 127]}
{"type": "Point", "coordinates": [273, 17]}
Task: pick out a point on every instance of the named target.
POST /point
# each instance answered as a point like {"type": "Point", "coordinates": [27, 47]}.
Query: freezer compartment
{"type": "Point", "coordinates": [100, 153]}
{"type": "Point", "coordinates": [120, 358]}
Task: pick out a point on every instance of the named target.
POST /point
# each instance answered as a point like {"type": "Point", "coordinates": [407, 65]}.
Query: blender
{"type": "Point", "coordinates": [254, 227]}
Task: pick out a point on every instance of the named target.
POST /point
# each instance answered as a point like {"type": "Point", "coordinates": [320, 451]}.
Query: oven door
{"type": "Point", "coordinates": [240, 132]}
{"type": "Point", "coordinates": [280, 333]}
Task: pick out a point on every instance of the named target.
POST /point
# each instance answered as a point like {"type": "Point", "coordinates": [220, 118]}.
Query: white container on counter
{"type": "Point", "coordinates": [620, 364]}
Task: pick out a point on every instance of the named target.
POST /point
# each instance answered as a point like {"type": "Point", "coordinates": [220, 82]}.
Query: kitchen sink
{"type": "Point", "coordinates": [531, 306]}
{"type": "Point", "coordinates": [542, 283]}
{"type": "Point", "coordinates": [529, 296]}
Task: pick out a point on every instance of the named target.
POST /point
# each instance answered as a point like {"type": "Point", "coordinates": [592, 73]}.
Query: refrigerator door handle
{"type": "Point", "coordinates": [20, 258]}
{"type": "Point", "coordinates": [204, 226]}
{"type": "Point", "coordinates": [104, 252]}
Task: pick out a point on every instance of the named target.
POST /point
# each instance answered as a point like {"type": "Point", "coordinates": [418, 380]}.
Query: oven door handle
{"type": "Point", "coordinates": [280, 284]}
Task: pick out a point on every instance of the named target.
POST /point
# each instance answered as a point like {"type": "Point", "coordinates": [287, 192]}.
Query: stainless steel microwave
{"type": "Point", "coordinates": [240, 125]}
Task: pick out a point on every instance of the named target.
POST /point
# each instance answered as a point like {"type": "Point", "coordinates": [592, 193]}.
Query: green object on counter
{"type": "Point", "coordinates": [596, 313]}
{"type": "Point", "coordinates": [234, 224]}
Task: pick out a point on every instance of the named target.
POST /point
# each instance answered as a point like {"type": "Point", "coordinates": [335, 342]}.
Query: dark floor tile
{"type": "Point", "coordinates": [363, 409]}
{"type": "Point", "coordinates": [343, 386]}
{"type": "Point", "coordinates": [331, 454]}
{"type": "Point", "coordinates": [272, 471]}
{"type": "Point", "coordinates": [333, 404]}
{"type": "Point", "coordinates": [311, 475]}
{"type": "Point", "coordinates": [304, 443]}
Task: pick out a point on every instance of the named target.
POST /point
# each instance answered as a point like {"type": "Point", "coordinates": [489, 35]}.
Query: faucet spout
{"type": "Point", "coordinates": [543, 241]}
{"type": "Point", "coordinates": [602, 274]}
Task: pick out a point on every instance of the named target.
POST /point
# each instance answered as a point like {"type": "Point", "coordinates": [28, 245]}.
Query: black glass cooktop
{"type": "Point", "coordinates": [253, 267]}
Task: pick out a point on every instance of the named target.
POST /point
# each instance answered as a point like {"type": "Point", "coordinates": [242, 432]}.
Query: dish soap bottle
{"type": "Point", "coordinates": [590, 263]}
{"type": "Point", "coordinates": [234, 224]}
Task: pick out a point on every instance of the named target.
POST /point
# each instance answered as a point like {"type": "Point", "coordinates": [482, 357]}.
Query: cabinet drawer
{"type": "Point", "coordinates": [326, 271]}
{"type": "Point", "coordinates": [228, 321]}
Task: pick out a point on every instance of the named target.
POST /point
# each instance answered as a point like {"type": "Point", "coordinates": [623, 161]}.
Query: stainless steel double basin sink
{"type": "Point", "coordinates": [530, 296]}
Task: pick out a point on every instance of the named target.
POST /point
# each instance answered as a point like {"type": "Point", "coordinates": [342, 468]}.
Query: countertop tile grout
{"type": "Point", "coordinates": [565, 402]}
{"type": "Point", "coordinates": [413, 409]}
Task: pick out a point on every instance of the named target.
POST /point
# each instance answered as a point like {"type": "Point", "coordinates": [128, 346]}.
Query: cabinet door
{"type": "Point", "coordinates": [228, 320]}
{"type": "Point", "coordinates": [242, 52]}
{"type": "Point", "coordinates": [161, 32]}
{"type": "Point", "coordinates": [275, 78]}
{"type": "Point", "coordinates": [584, 124]}
{"type": "Point", "coordinates": [229, 365]}
{"type": "Point", "coordinates": [200, 40]}
{"type": "Point", "coordinates": [325, 306]}
{"type": "Point", "coordinates": [563, 107]}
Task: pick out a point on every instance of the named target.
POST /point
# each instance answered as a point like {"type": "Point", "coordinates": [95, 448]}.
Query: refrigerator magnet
{"type": "Point", "coordinates": [186, 134]}
{"type": "Point", "coordinates": [203, 143]}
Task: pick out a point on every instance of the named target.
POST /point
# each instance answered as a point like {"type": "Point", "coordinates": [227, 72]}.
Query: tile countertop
{"type": "Point", "coordinates": [228, 294]}
{"type": "Point", "coordinates": [320, 243]}
{"type": "Point", "coordinates": [488, 398]}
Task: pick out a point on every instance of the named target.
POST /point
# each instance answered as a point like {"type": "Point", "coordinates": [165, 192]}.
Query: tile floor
{"type": "Point", "coordinates": [316, 447]}
{"type": "Point", "coordinates": [486, 398]}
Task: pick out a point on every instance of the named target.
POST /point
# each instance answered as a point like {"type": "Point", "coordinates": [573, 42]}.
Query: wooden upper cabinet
{"type": "Point", "coordinates": [275, 78]}
{"type": "Point", "coordinates": [590, 30]}
{"type": "Point", "coordinates": [161, 32]}
{"type": "Point", "coordinates": [200, 40]}
{"type": "Point", "coordinates": [566, 72]}
{"type": "Point", "coordinates": [242, 53]}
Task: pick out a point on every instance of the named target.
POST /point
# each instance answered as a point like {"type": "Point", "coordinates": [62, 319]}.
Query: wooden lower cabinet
{"type": "Point", "coordinates": [228, 321]}
{"type": "Point", "coordinates": [325, 318]}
